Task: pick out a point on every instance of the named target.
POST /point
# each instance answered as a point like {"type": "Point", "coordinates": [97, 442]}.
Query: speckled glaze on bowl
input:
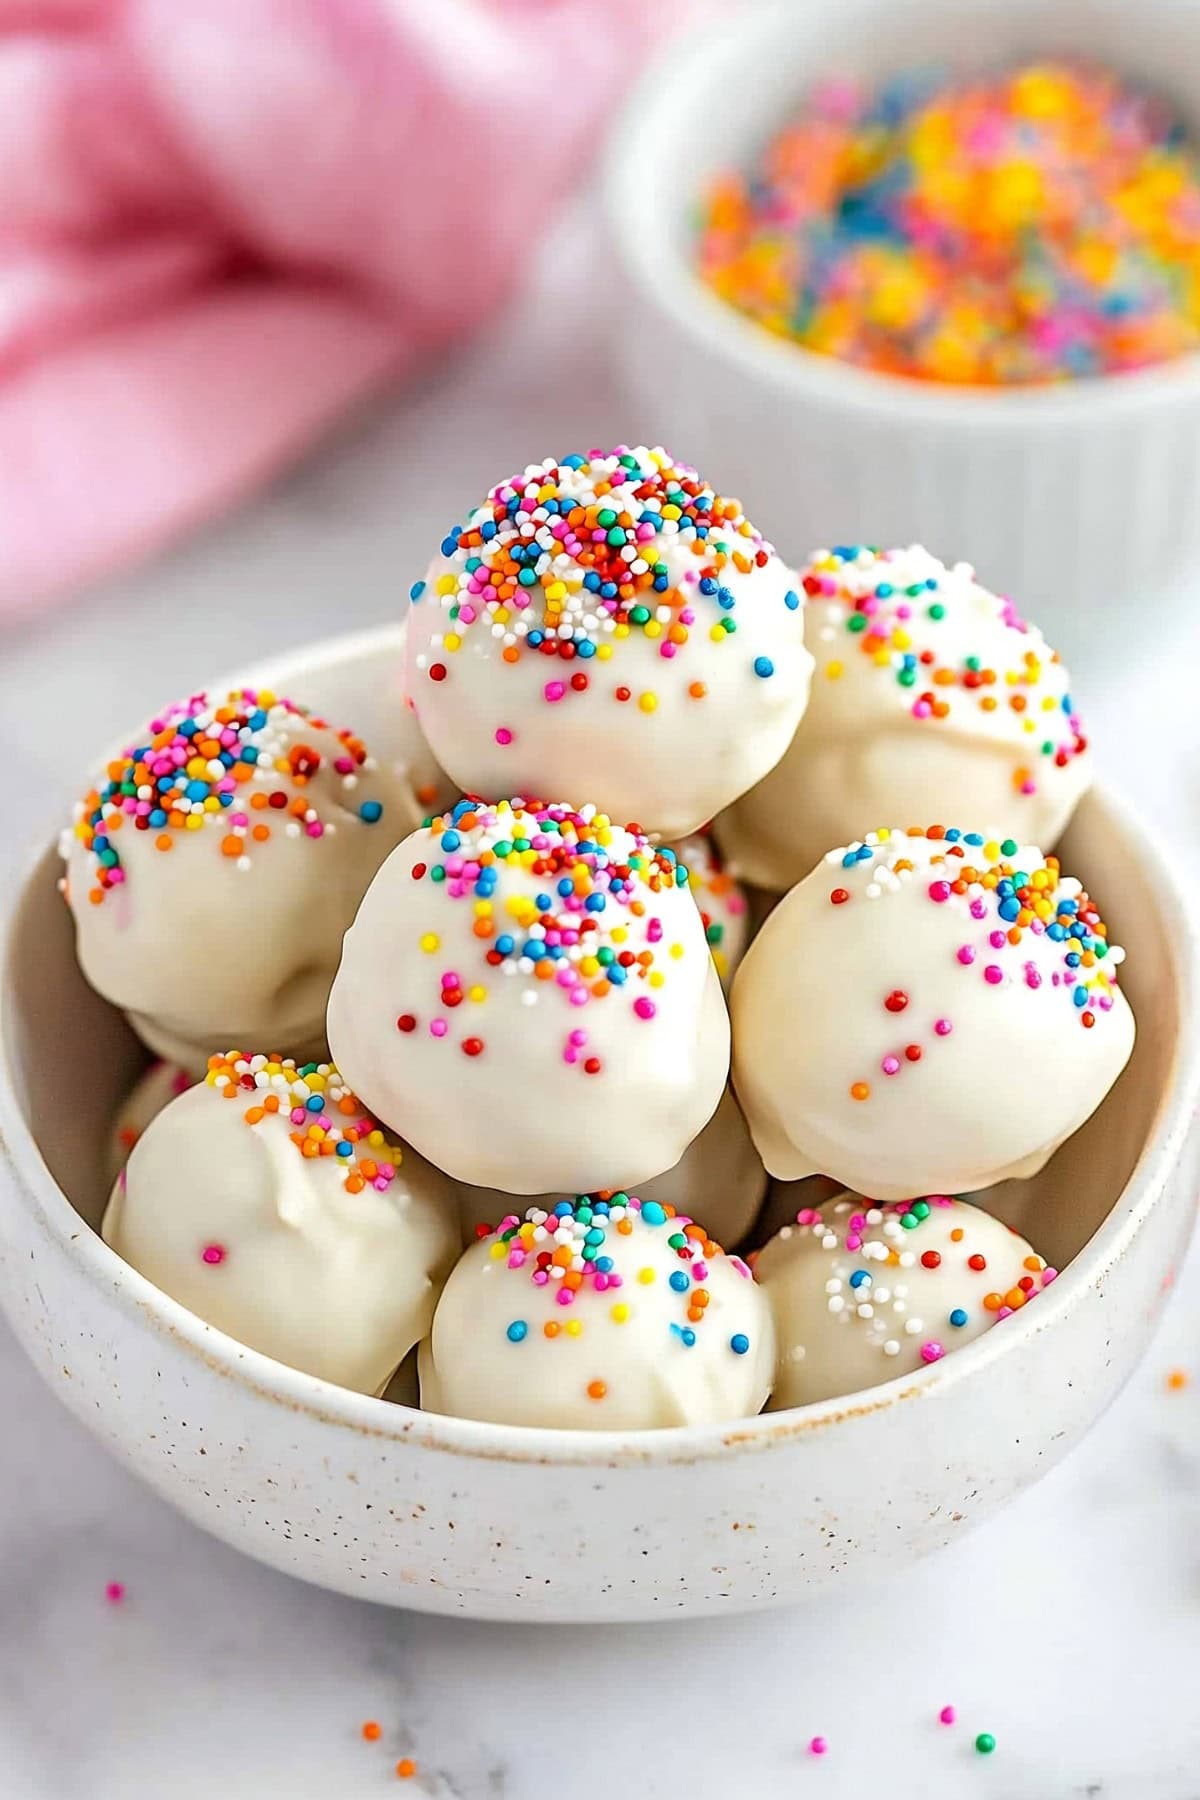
{"type": "Point", "coordinates": [450, 1515]}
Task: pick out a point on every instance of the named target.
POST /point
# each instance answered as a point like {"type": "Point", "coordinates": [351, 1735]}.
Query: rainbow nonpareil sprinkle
{"type": "Point", "coordinates": [590, 930]}
{"type": "Point", "coordinates": [1034, 225]}
{"type": "Point", "coordinates": [569, 559]}
{"type": "Point", "coordinates": [239, 767]}
{"type": "Point", "coordinates": [326, 1119]}
{"type": "Point", "coordinates": [902, 610]}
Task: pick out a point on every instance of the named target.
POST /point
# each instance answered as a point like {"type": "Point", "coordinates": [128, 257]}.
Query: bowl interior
{"type": "Point", "coordinates": [73, 1057]}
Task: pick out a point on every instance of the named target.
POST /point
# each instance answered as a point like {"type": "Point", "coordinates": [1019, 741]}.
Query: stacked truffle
{"type": "Point", "coordinates": [526, 1042]}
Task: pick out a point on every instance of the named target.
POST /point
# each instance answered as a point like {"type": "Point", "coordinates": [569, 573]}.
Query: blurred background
{"type": "Point", "coordinates": [284, 286]}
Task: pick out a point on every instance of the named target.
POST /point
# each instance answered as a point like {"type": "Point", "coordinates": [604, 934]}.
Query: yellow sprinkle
{"type": "Point", "coordinates": [833, 671]}
{"type": "Point", "coordinates": [430, 942]}
{"type": "Point", "coordinates": [574, 1328]}
{"type": "Point", "coordinates": [447, 584]}
{"type": "Point", "coordinates": [603, 652]}
{"type": "Point", "coordinates": [717, 634]}
{"type": "Point", "coordinates": [620, 1313]}
{"type": "Point", "coordinates": [991, 850]}
{"type": "Point", "coordinates": [452, 641]}
{"type": "Point", "coordinates": [645, 1276]}
{"type": "Point", "coordinates": [655, 978]}
{"type": "Point", "coordinates": [556, 591]}
{"type": "Point", "coordinates": [676, 951]}
{"type": "Point", "coordinates": [497, 1251]}
{"type": "Point", "coordinates": [477, 994]}
{"type": "Point", "coordinates": [648, 702]}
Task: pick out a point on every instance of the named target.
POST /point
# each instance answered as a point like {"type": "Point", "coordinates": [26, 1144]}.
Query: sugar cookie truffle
{"type": "Point", "coordinates": [609, 626]}
{"type": "Point", "coordinates": [723, 902]}
{"type": "Point", "coordinates": [160, 1083]}
{"type": "Point", "coordinates": [927, 1013]}
{"type": "Point", "coordinates": [720, 1175]}
{"type": "Point", "coordinates": [599, 1315]}
{"type": "Point", "coordinates": [527, 991]}
{"type": "Point", "coordinates": [861, 1292]}
{"type": "Point", "coordinates": [270, 1203]}
{"type": "Point", "coordinates": [931, 698]}
{"type": "Point", "coordinates": [214, 868]}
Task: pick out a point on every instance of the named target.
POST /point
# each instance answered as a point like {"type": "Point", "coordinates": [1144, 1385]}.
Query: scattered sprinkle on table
{"type": "Point", "coordinates": [1036, 224]}
{"type": "Point", "coordinates": [1177, 1380]}
{"type": "Point", "coordinates": [114, 1593]}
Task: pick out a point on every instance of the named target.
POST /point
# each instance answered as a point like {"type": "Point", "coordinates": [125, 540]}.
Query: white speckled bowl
{"type": "Point", "coordinates": [450, 1515]}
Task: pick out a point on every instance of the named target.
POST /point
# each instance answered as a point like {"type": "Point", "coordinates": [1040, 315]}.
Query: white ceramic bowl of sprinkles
{"type": "Point", "coordinates": [451, 1515]}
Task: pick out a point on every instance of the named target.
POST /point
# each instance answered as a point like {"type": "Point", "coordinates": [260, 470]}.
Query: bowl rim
{"type": "Point", "coordinates": [671, 284]}
{"type": "Point", "coordinates": [395, 1423]}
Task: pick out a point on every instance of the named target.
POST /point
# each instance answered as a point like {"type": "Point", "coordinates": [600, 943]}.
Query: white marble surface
{"type": "Point", "coordinates": [1070, 1627]}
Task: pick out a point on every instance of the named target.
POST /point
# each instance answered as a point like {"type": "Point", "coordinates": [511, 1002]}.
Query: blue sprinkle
{"type": "Point", "coordinates": [450, 840]}
{"type": "Point", "coordinates": [345, 1149]}
{"type": "Point", "coordinates": [688, 1336]}
{"type": "Point", "coordinates": [858, 1277]}
{"type": "Point", "coordinates": [958, 1316]}
{"type": "Point", "coordinates": [370, 811]}
{"type": "Point", "coordinates": [1080, 996]}
{"type": "Point", "coordinates": [517, 1330]}
{"type": "Point", "coordinates": [739, 1343]}
{"type": "Point", "coordinates": [196, 790]}
{"type": "Point", "coordinates": [763, 666]}
{"type": "Point", "coordinates": [449, 545]}
{"type": "Point", "coordinates": [652, 1212]}
{"type": "Point", "coordinates": [314, 1103]}
{"type": "Point", "coordinates": [416, 590]}
{"type": "Point", "coordinates": [791, 600]}
{"type": "Point", "coordinates": [679, 1281]}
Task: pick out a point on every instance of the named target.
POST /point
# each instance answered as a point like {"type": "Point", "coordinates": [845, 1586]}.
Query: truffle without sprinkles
{"type": "Point", "coordinates": [960, 1016]}
{"type": "Point", "coordinates": [609, 625]}
{"type": "Point", "coordinates": [602, 1312]}
{"type": "Point", "coordinates": [529, 988]}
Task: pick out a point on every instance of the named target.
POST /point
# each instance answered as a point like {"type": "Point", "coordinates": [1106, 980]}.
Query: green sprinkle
{"type": "Point", "coordinates": [985, 1743]}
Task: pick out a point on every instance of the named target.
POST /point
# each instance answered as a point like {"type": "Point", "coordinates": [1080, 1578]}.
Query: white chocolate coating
{"type": "Point", "coordinates": [719, 1178]}
{"type": "Point", "coordinates": [962, 713]}
{"type": "Point", "coordinates": [723, 902]}
{"type": "Point", "coordinates": [228, 933]}
{"type": "Point", "coordinates": [664, 1335]}
{"type": "Point", "coordinates": [650, 704]}
{"type": "Point", "coordinates": [488, 1016]}
{"type": "Point", "coordinates": [161, 1083]}
{"type": "Point", "coordinates": [862, 1293]}
{"type": "Point", "coordinates": [269, 1243]}
{"type": "Point", "coordinates": [888, 1033]}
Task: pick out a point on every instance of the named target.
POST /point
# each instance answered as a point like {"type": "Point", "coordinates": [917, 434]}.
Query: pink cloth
{"type": "Point", "coordinates": [224, 221]}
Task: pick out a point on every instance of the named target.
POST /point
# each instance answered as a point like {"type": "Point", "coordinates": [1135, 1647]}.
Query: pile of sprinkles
{"type": "Point", "coordinates": [589, 932]}
{"type": "Point", "coordinates": [1034, 225]}
{"type": "Point", "coordinates": [874, 1246]}
{"type": "Point", "coordinates": [567, 1252]}
{"type": "Point", "coordinates": [239, 767]}
{"type": "Point", "coordinates": [326, 1118]}
{"type": "Point", "coordinates": [1006, 905]}
{"type": "Point", "coordinates": [572, 557]}
{"type": "Point", "coordinates": [895, 608]}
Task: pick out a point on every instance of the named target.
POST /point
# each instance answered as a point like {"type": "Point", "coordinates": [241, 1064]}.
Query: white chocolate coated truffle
{"type": "Point", "coordinates": [246, 1211]}
{"type": "Point", "coordinates": [927, 1014]}
{"type": "Point", "coordinates": [609, 627]}
{"type": "Point", "coordinates": [861, 1293]}
{"type": "Point", "coordinates": [213, 869]}
{"type": "Point", "coordinates": [723, 902]}
{"type": "Point", "coordinates": [527, 994]}
{"type": "Point", "coordinates": [159, 1084]}
{"type": "Point", "coordinates": [720, 1176]}
{"type": "Point", "coordinates": [598, 1317]}
{"type": "Point", "coordinates": [931, 699]}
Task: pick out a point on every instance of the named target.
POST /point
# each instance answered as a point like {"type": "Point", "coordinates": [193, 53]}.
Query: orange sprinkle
{"type": "Point", "coordinates": [372, 1731]}
{"type": "Point", "coordinates": [597, 1390]}
{"type": "Point", "coordinates": [406, 1767]}
{"type": "Point", "coordinates": [1177, 1379]}
{"type": "Point", "coordinates": [860, 1090]}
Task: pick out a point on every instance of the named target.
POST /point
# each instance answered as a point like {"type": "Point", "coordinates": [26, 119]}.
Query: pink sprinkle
{"type": "Point", "coordinates": [213, 1253]}
{"type": "Point", "coordinates": [993, 974]}
{"type": "Point", "coordinates": [807, 1216]}
{"type": "Point", "coordinates": [939, 891]}
{"type": "Point", "coordinates": [1049, 1275]}
{"type": "Point", "coordinates": [943, 1027]}
{"type": "Point", "coordinates": [554, 690]}
{"type": "Point", "coordinates": [818, 1746]}
{"type": "Point", "coordinates": [438, 1028]}
{"type": "Point", "coordinates": [997, 940]}
{"type": "Point", "coordinates": [932, 1352]}
{"type": "Point", "coordinates": [947, 1715]}
{"type": "Point", "coordinates": [966, 955]}
{"type": "Point", "coordinates": [644, 1008]}
{"type": "Point", "coordinates": [503, 735]}
{"type": "Point", "coordinates": [890, 1065]}
{"type": "Point", "coordinates": [114, 1593]}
